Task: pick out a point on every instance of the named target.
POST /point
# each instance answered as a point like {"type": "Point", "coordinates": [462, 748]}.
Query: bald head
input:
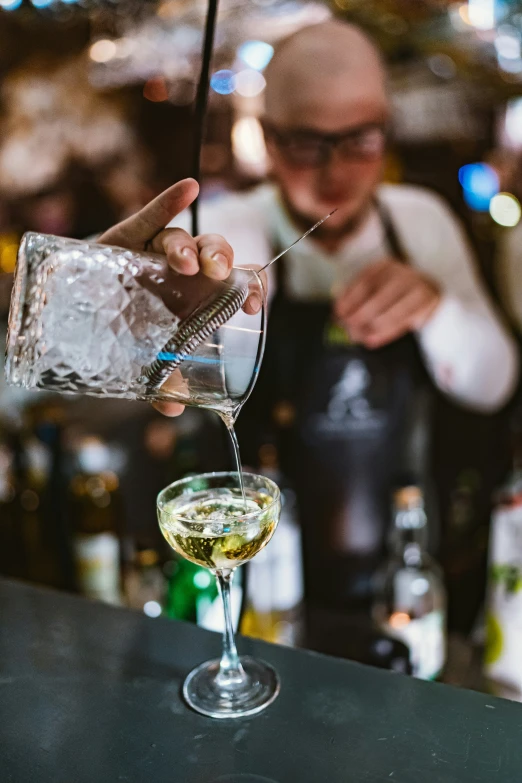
{"type": "Point", "coordinates": [326, 81]}
{"type": "Point", "coordinates": [324, 70]}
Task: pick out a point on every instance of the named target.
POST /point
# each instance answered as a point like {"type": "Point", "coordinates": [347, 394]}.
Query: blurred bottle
{"type": "Point", "coordinates": [191, 591]}
{"type": "Point", "coordinates": [274, 601]}
{"type": "Point", "coordinates": [43, 497]}
{"type": "Point", "coordinates": [40, 543]}
{"type": "Point", "coordinates": [353, 637]}
{"type": "Point", "coordinates": [96, 518]}
{"type": "Point", "coordinates": [410, 603]}
{"type": "Point", "coordinates": [376, 648]}
{"type": "Point", "coordinates": [12, 553]}
{"type": "Point", "coordinates": [145, 584]}
{"type": "Point", "coordinates": [503, 662]}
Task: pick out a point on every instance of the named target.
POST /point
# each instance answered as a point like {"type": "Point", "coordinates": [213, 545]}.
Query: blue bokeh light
{"type": "Point", "coordinates": [479, 184]}
{"type": "Point", "coordinates": [256, 54]}
{"type": "Point", "coordinates": [42, 3]}
{"type": "Point", "coordinates": [223, 82]}
{"type": "Point", "coordinates": [10, 5]}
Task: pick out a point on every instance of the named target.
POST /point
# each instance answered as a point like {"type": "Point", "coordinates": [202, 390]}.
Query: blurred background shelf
{"type": "Point", "coordinates": [95, 119]}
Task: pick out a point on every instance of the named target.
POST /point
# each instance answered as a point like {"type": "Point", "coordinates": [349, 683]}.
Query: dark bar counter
{"type": "Point", "coordinates": [90, 694]}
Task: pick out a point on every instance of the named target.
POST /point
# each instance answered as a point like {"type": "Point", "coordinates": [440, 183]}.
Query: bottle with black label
{"type": "Point", "coordinates": [410, 603]}
{"type": "Point", "coordinates": [96, 516]}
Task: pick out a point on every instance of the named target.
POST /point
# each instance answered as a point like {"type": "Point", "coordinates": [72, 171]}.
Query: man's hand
{"type": "Point", "coordinates": [387, 300]}
{"type": "Point", "coordinates": [146, 231]}
{"type": "Point", "coordinates": [209, 253]}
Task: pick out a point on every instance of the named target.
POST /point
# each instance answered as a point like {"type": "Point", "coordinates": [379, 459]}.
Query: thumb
{"type": "Point", "coordinates": [137, 230]}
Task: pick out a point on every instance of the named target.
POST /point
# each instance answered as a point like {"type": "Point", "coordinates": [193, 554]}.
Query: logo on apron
{"type": "Point", "coordinates": [349, 407]}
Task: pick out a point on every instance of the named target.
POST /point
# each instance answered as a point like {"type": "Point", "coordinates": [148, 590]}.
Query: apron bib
{"type": "Point", "coordinates": [346, 421]}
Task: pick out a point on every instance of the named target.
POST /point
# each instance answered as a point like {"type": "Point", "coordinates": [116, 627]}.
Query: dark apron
{"type": "Point", "coordinates": [348, 423]}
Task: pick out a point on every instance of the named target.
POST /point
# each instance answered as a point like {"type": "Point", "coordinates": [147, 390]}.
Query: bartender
{"type": "Point", "coordinates": [379, 305]}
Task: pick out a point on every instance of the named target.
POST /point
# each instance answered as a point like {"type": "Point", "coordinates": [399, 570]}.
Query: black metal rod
{"type": "Point", "coordinates": [200, 111]}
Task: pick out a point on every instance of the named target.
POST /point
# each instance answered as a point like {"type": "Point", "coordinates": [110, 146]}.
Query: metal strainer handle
{"type": "Point", "coordinates": [191, 333]}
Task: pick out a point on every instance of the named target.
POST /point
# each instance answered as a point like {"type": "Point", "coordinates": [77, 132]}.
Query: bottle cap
{"type": "Point", "coordinates": [407, 497]}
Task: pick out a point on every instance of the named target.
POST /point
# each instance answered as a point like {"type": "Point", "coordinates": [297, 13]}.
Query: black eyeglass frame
{"type": "Point", "coordinates": [325, 143]}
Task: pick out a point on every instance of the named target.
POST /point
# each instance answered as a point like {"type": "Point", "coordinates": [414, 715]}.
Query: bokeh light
{"type": "Point", "coordinates": [249, 83]}
{"type": "Point", "coordinates": [156, 90]}
{"type": "Point", "coordinates": [510, 65]}
{"type": "Point", "coordinates": [248, 143]}
{"type": "Point", "coordinates": [442, 66]}
{"type": "Point", "coordinates": [124, 48]}
{"type": "Point", "coordinates": [464, 14]}
{"type": "Point", "coordinates": [10, 5]}
{"type": "Point", "coordinates": [152, 609]}
{"type": "Point", "coordinates": [256, 54]}
{"type": "Point", "coordinates": [505, 210]}
{"type": "Point", "coordinates": [202, 579]}
{"type": "Point", "coordinates": [481, 14]}
{"type": "Point", "coordinates": [479, 184]}
{"type": "Point", "coordinates": [399, 619]}
{"type": "Point", "coordinates": [223, 82]}
{"type": "Point", "coordinates": [508, 46]}
{"type": "Point", "coordinates": [513, 122]}
{"type": "Point", "coordinates": [8, 255]}
{"type": "Point", "coordinates": [102, 51]}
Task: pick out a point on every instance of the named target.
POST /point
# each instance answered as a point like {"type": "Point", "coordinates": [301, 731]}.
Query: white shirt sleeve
{"type": "Point", "coordinates": [468, 350]}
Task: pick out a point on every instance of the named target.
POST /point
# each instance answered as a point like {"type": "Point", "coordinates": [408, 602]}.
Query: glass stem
{"type": "Point", "coordinates": [231, 674]}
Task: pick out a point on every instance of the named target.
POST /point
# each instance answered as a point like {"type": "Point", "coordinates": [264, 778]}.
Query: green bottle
{"type": "Point", "coordinates": [191, 591]}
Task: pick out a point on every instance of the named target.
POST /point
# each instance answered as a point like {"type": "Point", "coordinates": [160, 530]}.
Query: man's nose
{"type": "Point", "coordinates": [336, 165]}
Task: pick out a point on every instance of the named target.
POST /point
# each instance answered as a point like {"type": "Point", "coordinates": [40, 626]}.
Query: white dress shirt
{"type": "Point", "coordinates": [467, 349]}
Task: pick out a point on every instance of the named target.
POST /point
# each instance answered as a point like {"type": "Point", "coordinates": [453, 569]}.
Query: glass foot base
{"type": "Point", "coordinates": [202, 692]}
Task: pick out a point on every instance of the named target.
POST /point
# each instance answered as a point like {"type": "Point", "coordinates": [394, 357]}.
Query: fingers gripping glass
{"type": "Point", "coordinates": [310, 149]}
{"type": "Point", "coordinates": [206, 520]}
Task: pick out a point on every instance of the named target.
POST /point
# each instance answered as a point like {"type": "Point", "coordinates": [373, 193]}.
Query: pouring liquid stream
{"type": "Point", "coordinates": [237, 457]}
{"type": "Point", "coordinates": [228, 418]}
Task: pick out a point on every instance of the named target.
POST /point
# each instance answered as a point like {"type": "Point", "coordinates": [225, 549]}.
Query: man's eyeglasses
{"type": "Point", "coordinates": [310, 149]}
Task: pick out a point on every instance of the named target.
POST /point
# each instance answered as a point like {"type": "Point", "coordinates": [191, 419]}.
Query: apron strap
{"type": "Point", "coordinates": [392, 236]}
{"type": "Point", "coordinates": [280, 268]}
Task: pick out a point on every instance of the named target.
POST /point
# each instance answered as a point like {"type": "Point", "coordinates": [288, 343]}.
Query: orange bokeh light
{"type": "Point", "coordinates": [399, 619]}
{"type": "Point", "coordinates": [155, 90]}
